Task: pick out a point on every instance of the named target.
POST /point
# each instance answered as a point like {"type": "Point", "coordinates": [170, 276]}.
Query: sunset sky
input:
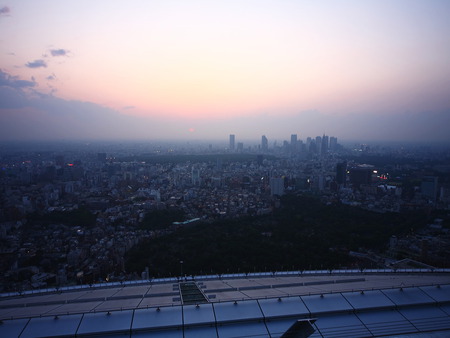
{"type": "Point", "coordinates": [192, 69]}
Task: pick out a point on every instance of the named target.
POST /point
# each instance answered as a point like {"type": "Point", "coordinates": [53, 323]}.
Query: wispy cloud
{"type": "Point", "coordinates": [36, 64]}
{"type": "Point", "coordinates": [59, 52]}
{"type": "Point", "coordinates": [30, 114]}
{"type": "Point", "coordinates": [14, 82]}
{"type": "Point", "coordinates": [128, 107]}
{"type": "Point", "coordinates": [4, 11]}
{"type": "Point", "coordinates": [24, 83]}
{"type": "Point", "coordinates": [13, 91]}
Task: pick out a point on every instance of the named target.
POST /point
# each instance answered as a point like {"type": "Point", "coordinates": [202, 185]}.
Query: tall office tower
{"type": "Point", "coordinates": [232, 141]}
{"type": "Point", "coordinates": [318, 144]}
{"type": "Point", "coordinates": [264, 144]}
{"type": "Point", "coordinates": [333, 143]}
{"type": "Point", "coordinates": [293, 143]}
{"type": "Point", "coordinates": [312, 147]}
{"type": "Point", "coordinates": [300, 146]}
{"type": "Point", "coordinates": [324, 147]}
{"type": "Point", "coordinates": [308, 144]}
{"type": "Point", "coordinates": [240, 146]}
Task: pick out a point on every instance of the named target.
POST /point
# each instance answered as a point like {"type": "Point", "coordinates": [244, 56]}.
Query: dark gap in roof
{"type": "Point", "coordinates": [191, 294]}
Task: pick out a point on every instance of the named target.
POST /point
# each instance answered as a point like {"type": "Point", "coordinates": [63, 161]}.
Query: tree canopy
{"type": "Point", "coordinates": [302, 234]}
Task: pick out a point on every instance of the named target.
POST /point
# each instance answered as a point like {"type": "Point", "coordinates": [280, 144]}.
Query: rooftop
{"type": "Point", "coordinates": [346, 303]}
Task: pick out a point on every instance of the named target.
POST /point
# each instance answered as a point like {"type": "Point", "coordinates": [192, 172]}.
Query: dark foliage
{"type": "Point", "coordinates": [81, 216]}
{"type": "Point", "coordinates": [161, 219]}
{"type": "Point", "coordinates": [303, 234]}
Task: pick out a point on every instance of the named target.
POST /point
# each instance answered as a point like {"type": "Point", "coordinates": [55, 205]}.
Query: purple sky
{"type": "Point", "coordinates": [369, 70]}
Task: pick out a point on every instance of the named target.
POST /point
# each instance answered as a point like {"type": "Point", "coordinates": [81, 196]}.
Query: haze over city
{"type": "Point", "coordinates": [207, 168]}
{"type": "Point", "coordinates": [192, 70]}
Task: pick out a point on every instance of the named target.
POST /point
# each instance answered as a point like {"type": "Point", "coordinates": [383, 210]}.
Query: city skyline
{"type": "Point", "coordinates": [376, 70]}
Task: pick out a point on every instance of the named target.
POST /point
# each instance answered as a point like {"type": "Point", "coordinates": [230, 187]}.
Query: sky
{"type": "Point", "coordinates": [202, 69]}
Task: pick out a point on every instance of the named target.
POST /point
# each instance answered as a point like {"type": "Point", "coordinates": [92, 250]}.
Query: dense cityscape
{"type": "Point", "coordinates": [71, 211]}
{"type": "Point", "coordinates": [222, 169]}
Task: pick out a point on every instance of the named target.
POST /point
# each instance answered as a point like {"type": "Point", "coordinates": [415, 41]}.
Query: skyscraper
{"type": "Point", "coordinates": [232, 141]}
{"type": "Point", "coordinates": [240, 147]}
{"type": "Point", "coordinates": [264, 144]}
{"type": "Point", "coordinates": [333, 143]}
{"type": "Point", "coordinates": [318, 145]}
{"type": "Point", "coordinates": [324, 148]}
{"type": "Point", "coordinates": [308, 144]}
{"type": "Point", "coordinates": [293, 143]}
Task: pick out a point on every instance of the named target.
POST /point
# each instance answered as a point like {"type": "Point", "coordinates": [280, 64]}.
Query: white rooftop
{"type": "Point", "coordinates": [345, 303]}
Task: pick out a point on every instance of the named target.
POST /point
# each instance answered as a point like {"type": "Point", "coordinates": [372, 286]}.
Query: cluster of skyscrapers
{"type": "Point", "coordinates": [235, 146]}
{"type": "Point", "coordinates": [319, 145]}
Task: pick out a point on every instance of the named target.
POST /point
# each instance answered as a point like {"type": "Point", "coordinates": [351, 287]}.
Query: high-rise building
{"type": "Point", "coordinates": [361, 175]}
{"type": "Point", "coordinates": [264, 144]}
{"type": "Point", "coordinates": [293, 143]}
{"type": "Point", "coordinates": [232, 141]}
{"type": "Point", "coordinates": [308, 143]}
{"type": "Point", "coordinates": [324, 147]}
{"type": "Point", "coordinates": [333, 143]}
{"type": "Point", "coordinates": [318, 144]}
{"type": "Point", "coordinates": [240, 146]}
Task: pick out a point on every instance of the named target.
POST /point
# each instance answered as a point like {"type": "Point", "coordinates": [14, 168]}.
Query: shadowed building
{"type": "Point", "coordinates": [264, 144]}
{"type": "Point", "coordinates": [361, 175]}
{"type": "Point", "coordinates": [232, 142]}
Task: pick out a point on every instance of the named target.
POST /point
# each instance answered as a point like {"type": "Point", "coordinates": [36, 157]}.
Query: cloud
{"type": "Point", "coordinates": [59, 52]}
{"type": "Point", "coordinates": [24, 83]}
{"type": "Point", "coordinates": [128, 107]}
{"type": "Point", "coordinates": [51, 77]}
{"type": "Point", "coordinates": [36, 64]}
{"type": "Point", "coordinates": [26, 113]}
{"type": "Point", "coordinates": [14, 82]}
{"type": "Point", "coordinates": [12, 94]}
{"type": "Point", "coordinates": [4, 10]}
